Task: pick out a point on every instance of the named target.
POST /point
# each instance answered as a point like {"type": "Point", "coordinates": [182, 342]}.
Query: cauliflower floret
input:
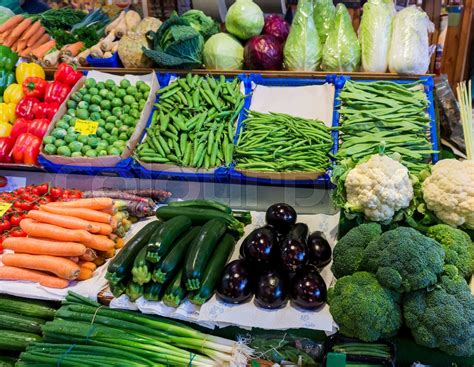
{"type": "Point", "coordinates": [449, 192]}
{"type": "Point", "coordinates": [378, 188]}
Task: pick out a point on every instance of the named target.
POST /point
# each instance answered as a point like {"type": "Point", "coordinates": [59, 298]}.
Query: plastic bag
{"type": "Point", "coordinates": [302, 48]}
{"type": "Point", "coordinates": [410, 51]}
{"type": "Point", "coordinates": [342, 49]}
{"type": "Point", "coordinates": [5, 14]}
{"type": "Point", "coordinates": [375, 33]}
{"type": "Point", "coordinates": [324, 14]}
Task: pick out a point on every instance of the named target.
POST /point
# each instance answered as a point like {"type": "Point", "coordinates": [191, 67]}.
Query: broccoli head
{"type": "Point", "coordinates": [442, 316]}
{"type": "Point", "coordinates": [457, 246]}
{"type": "Point", "coordinates": [349, 250]}
{"type": "Point", "coordinates": [404, 260]}
{"type": "Point", "coordinates": [364, 309]}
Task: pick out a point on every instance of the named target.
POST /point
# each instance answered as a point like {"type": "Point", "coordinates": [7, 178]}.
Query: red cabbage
{"type": "Point", "coordinates": [276, 26]}
{"type": "Point", "coordinates": [263, 53]}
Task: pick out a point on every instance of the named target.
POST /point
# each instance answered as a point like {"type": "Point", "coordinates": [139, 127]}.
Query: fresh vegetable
{"type": "Point", "coordinates": [56, 92]}
{"type": "Point", "coordinates": [308, 289]}
{"type": "Point", "coordinates": [66, 74]}
{"type": "Point", "coordinates": [43, 247]}
{"type": "Point", "coordinates": [16, 340]}
{"type": "Point", "coordinates": [7, 112]}
{"type": "Point", "coordinates": [237, 282]}
{"type": "Point", "coordinates": [13, 321]}
{"type": "Point", "coordinates": [130, 51]}
{"type": "Point", "coordinates": [63, 221]}
{"type": "Point", "coordinates": [13, 93]}
{"type": "Point", "coordinates": [259, 246]}
{"type": "Point", "coordinates": [302, 49]}
{"type": "Point", "coordinates": [281, 217]}
{"type": "Point", "coordinates": [89, 203]}
{"type": "Point", "coordinates": [133, 290]}
{"type": "Point", "coordinates": [204, 204]}
{"type": "Point", "coordinates": [25, 70]}
{"type": "Point", "coordinates": [201, 23]}
{"type": "Point", "coordinates": [26, 149]}
{"type": "Point", "coordinates": [367, 350]}
{"type": "Point", "coordinates": [271, 290]}
{"type": "Point", "coordinates": [175, 292]}
{"type": "Point", "coordinates": [293, 250]}
{"type": "Point", "coordinates": [141, 269]}
{"type": "Point", "coordinates": [244, 19]}
{"type": "Point", "coordinates": [153, 291]}
{"type": "Point", "coordinates": [364, 309]}
{"type": "Point", "coordinates": [263, 52]}
{"type": "Point", "coordinates": [27, 307]}
{"type": "Point", "coordinates": [223, 52]}
{"type": "Point", "coordinates": [276, 26]}
{"type": "Point", "coordinates": [319, 250]}
{"type": "Point", "coordinates": [82, 213]}
{"type": "Point", "coordinates": [13, 273]}
{"type": "Point", "coordinates": [324, 13]}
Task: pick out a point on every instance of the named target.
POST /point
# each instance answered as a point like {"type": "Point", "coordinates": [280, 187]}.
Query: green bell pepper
{"type": "Point", "coordinates": [8, 58]}
{"type": "Point", "coordinates": [6, 78]}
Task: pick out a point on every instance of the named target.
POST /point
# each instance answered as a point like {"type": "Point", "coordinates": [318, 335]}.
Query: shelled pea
{"type": "Point", "coordinates": [194, 123]}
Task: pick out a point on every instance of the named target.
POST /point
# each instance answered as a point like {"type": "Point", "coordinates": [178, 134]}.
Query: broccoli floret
{"type": "Point", "coordinates": [442, 316]}
{"type": "Point", "coordinates": [364, 309]}
{"type": "Point", "coordinates": [404, 260]}
{"type": "Point", "coordinates": [349, 250]}
{"type": "Point", "coordinates": [457, 246]}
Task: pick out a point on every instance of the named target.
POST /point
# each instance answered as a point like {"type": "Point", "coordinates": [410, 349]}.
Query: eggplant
{"type": "Point", "coordinates": [237, 282]}
{"type": "Point", "coordinates": [271, 290]}
{"type": "Point", "coordinates": [258, 245]}
{"type": "Point", "coordinates": [318, 249]}
{"type": "Point", "coordinates": [281, 216]}
{"type": "Point", "coordinates": [308, 289]}
{"type": "Point", "coordinates": [293, 249]}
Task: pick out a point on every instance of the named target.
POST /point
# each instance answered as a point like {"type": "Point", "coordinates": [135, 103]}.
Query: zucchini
{"type": "Point", "coordinates": [16, 340]}
{"type": "Point", "coordinates": [140, 270]}
{"type": "Point", "coordinates": [200, 216]}
{"type": "Point", "coordinates": [214, 269]}
{"type": "Point", "coordinates": [153, 291]}
{"type": "Point", "coordinates": [134, 291]}
{"type": "Point", "coordinates": [27, 307]}
{"type": "Point", "coordinates": [200, 252]}
{"type": "Point", "coordinates": [121, 264]}
{"type": "Point", "coordinates": [12, 321]}
{"type": "Point", "coordinates": [161, 241]}
{"type": "Point", "coordinates": [117, 289]}
{"type": "Point", "coordinates": [171, 261]}
{"type": "Point", "coordinates": [175, 291]}
{"type": "Point", "coordinates": [204, 204]}
{"type": "Point", "coordinates": [7, 361]}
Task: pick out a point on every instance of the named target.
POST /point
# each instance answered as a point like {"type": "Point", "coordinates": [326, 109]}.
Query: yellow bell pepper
{"type": "Point", "coordinates": [25, 70]}
{"type": "Point", "coordinates": [7, 112]}
{"type": "Point", "coordinates": [13, 93]}
{"type": "Point", "coordinates": [5, 129]}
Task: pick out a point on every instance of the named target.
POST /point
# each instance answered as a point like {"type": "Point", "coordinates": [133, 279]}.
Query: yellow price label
{"type": "Point", "coordinates": [4, 207]}
{"type": "Point", "coordinates": [86, 127]}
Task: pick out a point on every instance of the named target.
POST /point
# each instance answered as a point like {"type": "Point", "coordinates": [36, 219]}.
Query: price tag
{"type": "Point", "coordinates": [86, 127]}
{"type": "Point", "coordinates": [4, 207]}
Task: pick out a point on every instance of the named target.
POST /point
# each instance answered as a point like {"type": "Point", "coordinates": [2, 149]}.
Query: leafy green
{"type": "Point", "coordinates": [202, 23]}
{"type": "Point", "coordinates": [223, 51]}
{"type": "Point", "coordinates": [324, 14]}
{"type": "Point", "coordinates": [64, 18]}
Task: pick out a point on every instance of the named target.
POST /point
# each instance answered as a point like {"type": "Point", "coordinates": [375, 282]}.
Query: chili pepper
{"type": "Point", "coordinates": [25, 70]}
{"type": "Point", "coordinates": [19, 127]}
{"type": "Point", "coordinates": [13, 93]}
{"type": "Point", "coordinates": [7, 112]}
{"type": "Point", "coordinates": [34, 86]}
{"type": "Point", "coordinates": [38, 127]}
{"type": "Point", "coordinates": [66, 74]}
{"type": "Point", "coordinates": [6, 145]}
{"type": "Point", "coordinates": [26, 149]}
{"type": "Point", "coordinates": [26, 107]}
{"type": "Point", "coordinates": [46, 110]}
{"type": "Point", "coordinates": [56, 92]}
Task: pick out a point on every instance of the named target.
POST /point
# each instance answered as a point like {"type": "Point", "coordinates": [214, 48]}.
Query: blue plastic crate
{"type": "Point", "coordinates": [220, 175]}
{"type": "Point", "coordinates": [110, 62]}
{"type": "Point", "coordinates": [322, 181]}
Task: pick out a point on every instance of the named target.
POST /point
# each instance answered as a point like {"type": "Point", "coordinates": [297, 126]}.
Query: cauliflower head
{"type": "Point", "coordinates": [449, 192]}
{"type": "Point", "coordinates": [378, 188]}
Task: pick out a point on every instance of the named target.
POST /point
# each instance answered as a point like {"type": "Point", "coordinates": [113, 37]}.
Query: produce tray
{"type": "Point", "coordinates": [321, 179]}
{"type": "Point", "coordinates": [109, 62]}
{"type": "Point", "coordinates": [173, 172]}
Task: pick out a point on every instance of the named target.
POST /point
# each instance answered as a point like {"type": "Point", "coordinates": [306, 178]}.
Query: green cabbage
{"type": "Point", "coordinates": [324, 15]}
{"type": "Point", "coordinates": [341, 52]}
{"type": "Point", "coordinates": [375, 33]}
{"type": "Point", "coordinates": [302, 48]}
{"type": "Point", "coordinates": [244, 19]}
{"type": "Point", "coordinates": [202, 23]}
{"type": "Point", "coordinates": [223, 51]}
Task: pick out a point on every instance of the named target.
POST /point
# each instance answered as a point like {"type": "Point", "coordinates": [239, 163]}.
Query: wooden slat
{"type": "Point", "coordinates": [465, 42]}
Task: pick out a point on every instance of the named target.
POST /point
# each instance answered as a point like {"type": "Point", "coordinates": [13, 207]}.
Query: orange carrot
{"type": "Point", "coordinates": [59, 266]}
{"type": "Point", "coordinates": [88, 264]}
{"type": "Point", "coordinates": [25, 52]}
{"type": "Point", "coordinates": [99, 261]}
{"type": "Point", "coordinates": [104, 229]}
{"type": "Point", "coordinates": [85, 273]}
{"type": "Point", "coordinates": [11, 23]}
{"type": "Point", "coordinates": [42, 40]}
{"type": "Point", "coordinates": [74, 49]}
{"type": "Point", "coordinates": [46, 280]}
{"type": "Point", "coordinates": [119, 243]}
{"type": "Point", "coordinates": [36, 37]}
{"type": "Point", "coordinates": [21, 28]}
{"type": "Point", "coordinates": [108, 254]}
{"type": "Point", "coordinates": [89, 255]}
{"type": "Point", "coordinates": [43, 49]}
{"type": "Point", "coordinates": [91, 203]}
{"type": "Point", "coordinates": [21, 45]}
{"type": "Point", "coordinates": [86, 214]}
{"type": "Point", "coordinates": [31, 31]}
{"type": "Point", "coordinates": [100, 243]}
{"type": "Point", "coordinates": [110, 211]}
{"type": "Point", "coordinates": [64, 221]}
{"type": "Point", "coordinates": [38, 246]}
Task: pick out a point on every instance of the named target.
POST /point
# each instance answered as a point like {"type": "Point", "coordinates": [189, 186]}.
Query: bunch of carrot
{"type": "Point", "coordinates": [66, 241]}
{"type": "Point", "coordinates": [25, 37]}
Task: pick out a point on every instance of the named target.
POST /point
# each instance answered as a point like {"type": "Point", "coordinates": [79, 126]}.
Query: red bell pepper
{"type": "Point", "coordinates": [6, 145]}
{"type": "Point", "coordinates": [26, 149]}
{"type": "Point", "coordinates": [26, 108]}
{"type": "Point", "coordinates": [34, 87]}
{"type": "Point", "coordinates": [38, 127]}
{"type": "Point", "coordinates": [56, 92]}
{"type": "Point", "coordinates": [66, 74]}
{"type": "Point", "coordinates": [46, 110]}
{"type": "Point", "coordinates": [19, 127]}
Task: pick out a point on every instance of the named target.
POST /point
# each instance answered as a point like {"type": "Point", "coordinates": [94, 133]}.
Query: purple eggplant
{"type": "Point", "coordinates": [258, 245]}
{"type": "Point", "coordinates": [293, 249]}
{"type": "Point", "coordinates": [308, 289]}
{"type": "Point", "coordinates": [281, 216]}
{"type": "Point", "coordinates": [318, 249]}
{"type": "Point", "coordinates": [271, 290]}
{"type": "Point", "coordinates": [237, 282]}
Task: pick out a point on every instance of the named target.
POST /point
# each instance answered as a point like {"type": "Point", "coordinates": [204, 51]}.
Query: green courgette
{"type": "Point", "coordinates": [172, 260]}
{"type": "Point", "coordinates": [120, 266]}
{"type": "Point", "coordinates": [200, 216]}
{"type": "Point", "coordinates": [141, 268]}
{"type": "Point", "coordinates": [153, 291]}
{"type": "Point", "coordinates": [134, 291]}
{"type": "Point", "coordinates": [200, 252]}
{"type": "Point", "coordinates": [27, 307]}
{"type": "Point", "coordinates": [12, 321]}
{"type": "Point", "coordinates": [16, 340]}
{"type": "Point", "coordinates": [117, 289]}
{"type": "Point", "coordinates": [214, 269]}
{"type": "Point", "coordinates": [203, 204]}
{"type": "Point", "coordinates": [7, 361]}
{"type": "Point", "coordinates": [175, 291]}
{"type": "Point", "coordinates": [162, 240]}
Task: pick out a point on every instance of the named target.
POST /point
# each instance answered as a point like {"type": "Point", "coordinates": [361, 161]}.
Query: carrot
{"type": "Point", "coordinates": [91, 203]}
{"type": "Point", "coordinates": [82, 213]}
{"type": "Point", "coordinates": [59, 266]}
{"type": "Point", "coordinates": [46, 280]}
{"type": "Point", "coordinates": [85, 273]}
{"type": "Point", "coordinates": [11, 23]}
{"type": "Point", "coordinates": [21, 45]}
{"type": "Point", "coordinates": [36, 37]}
{"type": "Point", "coordinates": [43, 39]}
{"type": "Point", "coordinates": [110, 211]}
{"type": "Point", "coordinates": [119, 243]}
{"type": "Point", "coordinates": [108, 254]}
{"type": "Point", "coordinates": [38, 246]}
{"type": "Point", "coordinates": [88, 265]}
{"type": "Point", "coordinates": [89, 255]}
{"type": "Point", "coordinates": [104, 228]}
{"type": "Point", "coordinates": [18, 31]}
{"type": "Point", "coordinates": [99, 261]}
{"type": "Point", "coordinates": [100, 243]}
{"type": "Point", "coordinates": [25, 52]}
{"type": "Point", "coordinates": [64, 221]}
{"type": "Point", "coordinates": [31, 31]}
{"type": "Point", "coordinates": [74, 49]}
{"type": "Point", "coordinates": [43, 49]}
